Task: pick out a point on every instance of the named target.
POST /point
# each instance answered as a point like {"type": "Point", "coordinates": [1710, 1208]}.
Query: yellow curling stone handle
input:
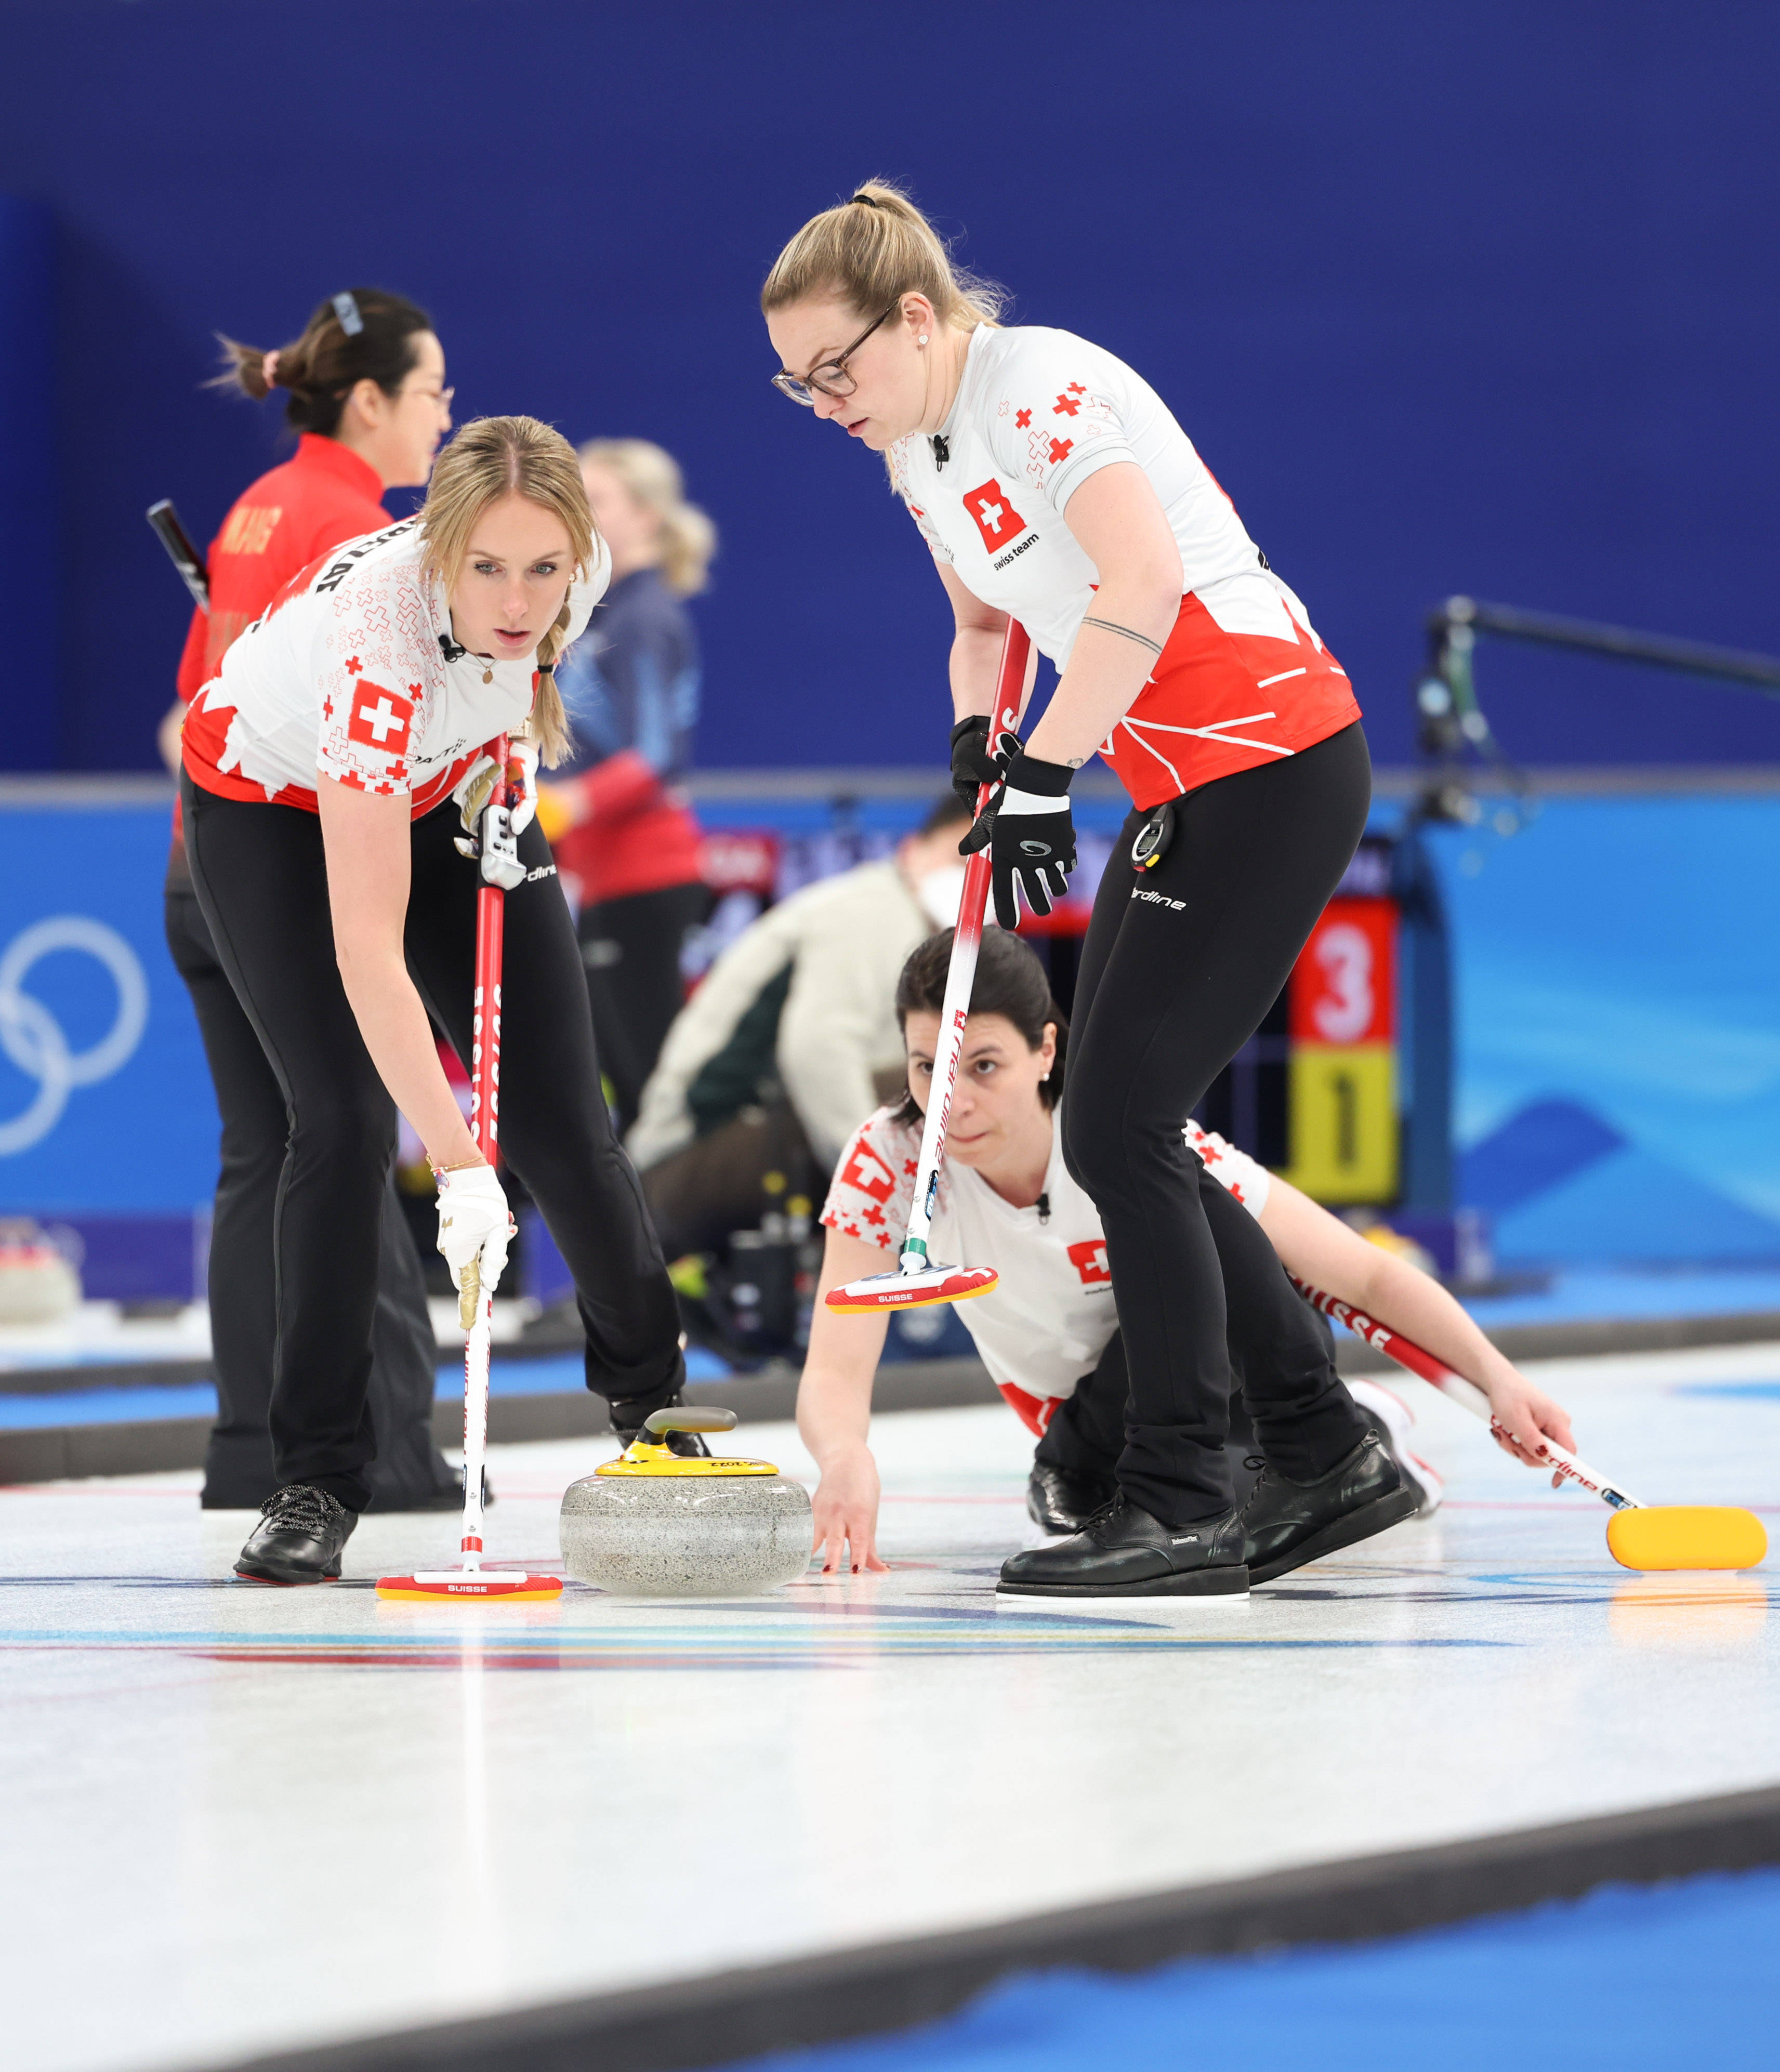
{"type": "Point", "coordinates": [642, 1457]}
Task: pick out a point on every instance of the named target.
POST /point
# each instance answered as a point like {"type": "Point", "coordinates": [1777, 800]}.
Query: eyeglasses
{"type": "Point", "coordinates": [831, 378]}
{"type": "Point", "coordinates": [442, 400]}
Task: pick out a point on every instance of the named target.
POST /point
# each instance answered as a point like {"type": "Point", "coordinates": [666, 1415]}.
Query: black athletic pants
{"type": "Point", "coordinates": [409, 1469]}
{"type": "Point", "coordinates": [1179, 965]}
{"type": "Point", "coordinates": [631, 949]}
{"type": "Point", "coordinates": [261, 881]}
{"type": "Point", "coordinates": [1286, 1400]}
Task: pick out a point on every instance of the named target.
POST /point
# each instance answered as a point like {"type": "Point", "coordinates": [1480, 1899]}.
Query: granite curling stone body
{"type": "Point", "coordinates": [655, 1524]}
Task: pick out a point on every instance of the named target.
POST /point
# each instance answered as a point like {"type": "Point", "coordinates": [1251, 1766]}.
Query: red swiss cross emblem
{"type": "Point", "coordinates": [996, 519]}
{"type": "Point", "coordinates": [1089, 1258]}
{"type": "Point", "coordinates": [1069, 402]}
{"type": "Point", "coordinates": [867, 1172]}
{"type": "Point", "coordinates": [380, 717]}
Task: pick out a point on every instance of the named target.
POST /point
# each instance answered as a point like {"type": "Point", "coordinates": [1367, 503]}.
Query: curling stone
{"type": "Point", "coordinates": [655, 1524]}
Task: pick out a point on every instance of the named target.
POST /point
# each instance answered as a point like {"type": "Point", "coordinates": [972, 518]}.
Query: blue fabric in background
{"type": "Point", "coordinates": [1472, 297]}
{"type": "Point", "coordinates": [1618, 1028]}
{"type": "Point", "coordinates": [1628, 1980]}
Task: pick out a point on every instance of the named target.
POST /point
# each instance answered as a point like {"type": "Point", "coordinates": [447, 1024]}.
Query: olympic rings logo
{"type": "Point", "coordinates": [34, 1041]}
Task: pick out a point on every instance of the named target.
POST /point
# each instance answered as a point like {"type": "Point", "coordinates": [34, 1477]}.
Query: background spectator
{"type": "Point", "coordinates": [622, 836]}
{"type": "Point", "coordinates": [775, 1060]}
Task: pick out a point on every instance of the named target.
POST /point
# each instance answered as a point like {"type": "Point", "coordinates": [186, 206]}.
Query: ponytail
{"type": "Point", "coordinates": [870, 250]}
{"type": "Point", "coordinates": [361, 334]}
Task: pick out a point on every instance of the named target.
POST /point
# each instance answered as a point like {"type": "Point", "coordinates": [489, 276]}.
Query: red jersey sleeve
{"type": "Point", "coordinates": [872, 1190]}
{"type": "Point", "coordinates": [193, 675]}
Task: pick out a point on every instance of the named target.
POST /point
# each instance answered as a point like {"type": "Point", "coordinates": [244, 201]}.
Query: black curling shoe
{"type": "Point", "coordinates": [1062, 1500]}
{"type": "Point", "coordinates": [627, 1416]}
{"type": "Point", "coordinates": [1286, 1524]}
{"type": "Point", "coordinates": [1124, 1552]}
{"type": "Point", "coordinates": [298, 1538]}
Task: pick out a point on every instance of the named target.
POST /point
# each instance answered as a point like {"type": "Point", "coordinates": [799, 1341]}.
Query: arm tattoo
{"type": "Point", "coordinates": [1142, 639]}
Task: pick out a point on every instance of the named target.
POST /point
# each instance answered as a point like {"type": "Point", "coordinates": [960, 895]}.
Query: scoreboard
{"type": "Point", "coordinates": [1341, 1066]}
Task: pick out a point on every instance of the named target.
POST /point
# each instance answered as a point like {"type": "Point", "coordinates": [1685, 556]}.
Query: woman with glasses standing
{"type": "Point", "coordinates": [1054, 486]}
{"type": "Point", "coordinates": [364, 391]}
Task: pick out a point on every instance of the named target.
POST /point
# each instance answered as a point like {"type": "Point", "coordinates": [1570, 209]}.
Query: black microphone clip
{"type": "Point", "coordinates": [942, 449]}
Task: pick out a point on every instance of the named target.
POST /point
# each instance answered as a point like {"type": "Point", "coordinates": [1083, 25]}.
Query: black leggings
{"type": "Point", "coordinates": [1179, 965]}
{"type": "Point", "coordinates": [1286, 1398]}
{"type": "Point", "coordinates": [239, 1474]}
{"type": "Point", "coordinates": [261, 881]}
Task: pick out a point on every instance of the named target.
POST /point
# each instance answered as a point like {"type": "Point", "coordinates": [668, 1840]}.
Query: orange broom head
{"type": "Point", "coordinates": [912, 1291]}
{"type": "Point", "coordinates": [1679, 1535]}
{"type": "Point", "coordinates": [464, 1585]}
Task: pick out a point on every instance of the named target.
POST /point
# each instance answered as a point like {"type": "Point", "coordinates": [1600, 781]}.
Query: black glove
{"type": "Point", "coordinates": [974, 763]}
{"type": "Point", "coordinates": [1029, 834]}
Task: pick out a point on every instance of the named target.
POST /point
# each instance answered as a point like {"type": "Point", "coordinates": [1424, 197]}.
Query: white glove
{"type": "Point", "coordinates": [476, 1228]}
{"type": "Point", "coordinates": [472, 790]}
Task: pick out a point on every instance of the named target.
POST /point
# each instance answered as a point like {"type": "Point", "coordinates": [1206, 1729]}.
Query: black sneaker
{"type": "Point", "coordinates": [1124, 1552]}
{"type": "Point", "coordinates": [627, 1416]}
{"type": "Point", "coordinates": [298, 1538]}
{"type": "Point", "coordinates": [1287, 1524]}
{"type": "Point", "coordinates": [1063, 1500]}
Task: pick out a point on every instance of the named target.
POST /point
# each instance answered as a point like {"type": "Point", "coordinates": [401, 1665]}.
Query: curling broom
{"type": "Point", "coordinates": [918, 1281]}
{"type": "Point", "coordinates": [498, 852]}
{"type": "Point", "coordinates": [1639, 1535]}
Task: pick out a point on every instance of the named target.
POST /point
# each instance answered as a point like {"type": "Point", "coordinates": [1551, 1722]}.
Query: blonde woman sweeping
{"type": "Point", "coordinates": [328, 768]}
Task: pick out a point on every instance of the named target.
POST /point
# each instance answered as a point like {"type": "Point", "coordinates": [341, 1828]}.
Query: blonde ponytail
{"type": "Point", "coordinates": [869, 251]}
{"type": "Point", "coordinates": [689, 539]}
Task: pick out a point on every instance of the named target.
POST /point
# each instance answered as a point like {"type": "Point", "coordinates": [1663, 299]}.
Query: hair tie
{"type": "Point", "coordinates": [870, 200]}
{"type": "Point", "coordinates": [347, 309]}
{"type": "Point", "coordinates": [269, 366]}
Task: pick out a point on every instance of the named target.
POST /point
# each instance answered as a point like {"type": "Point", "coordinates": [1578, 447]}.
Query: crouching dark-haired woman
{"type": "Point", "coordinates": [324, 770]}
{"type": "Point", "coordinates": [1049, 1332]}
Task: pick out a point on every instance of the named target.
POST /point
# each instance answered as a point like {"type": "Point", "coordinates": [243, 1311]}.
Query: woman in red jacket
{"type": "Point", "coordinates": [364, 389]}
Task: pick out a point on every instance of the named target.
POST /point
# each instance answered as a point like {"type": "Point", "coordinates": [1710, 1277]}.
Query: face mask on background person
{"type": "Point", "coordinates": [938, 892]}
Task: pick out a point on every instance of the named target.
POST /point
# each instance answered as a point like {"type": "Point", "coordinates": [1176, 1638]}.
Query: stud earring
{"type": "Point", "coordinates": [922, 339]}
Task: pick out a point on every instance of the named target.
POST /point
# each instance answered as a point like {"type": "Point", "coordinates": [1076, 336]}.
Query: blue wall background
{"type": "Point", "coordinates": [1472, 297]}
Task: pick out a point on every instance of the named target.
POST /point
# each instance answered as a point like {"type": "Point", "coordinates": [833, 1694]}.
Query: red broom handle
{"type": "Point", "coordinates": [485, 1032]}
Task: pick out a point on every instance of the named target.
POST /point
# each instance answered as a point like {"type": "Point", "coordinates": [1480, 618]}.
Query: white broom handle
{"type": "Point", "coordinates": [1419, 1361]}
{"type": "Point", "coordinates": [485, 1079]}
{"type": "Point", "coordinates": [961, 973]}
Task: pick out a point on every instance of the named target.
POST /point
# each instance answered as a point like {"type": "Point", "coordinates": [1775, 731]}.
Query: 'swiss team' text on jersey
{"type": "Point", "coordinates": [1244, 679]}
{"type": "Point", "coordinates": [352, 674]}
{"type": "Point", "coordinates": [1051, 1314]}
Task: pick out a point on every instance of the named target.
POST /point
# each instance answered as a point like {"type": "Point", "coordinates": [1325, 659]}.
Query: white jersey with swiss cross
{"type": "Point", "coordinates": [1037, 412]}
{"type": "Point", "coordinates": [1048, 1319]}
{"type": "Point", "coordinates": [352, 673]}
